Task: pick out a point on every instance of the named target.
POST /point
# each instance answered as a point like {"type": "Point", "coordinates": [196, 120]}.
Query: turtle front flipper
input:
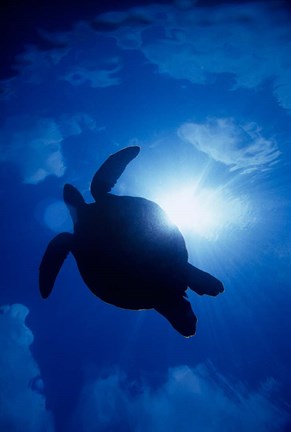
{"type": "Point", "coordinates": [202, 282]}
{"type": "Point", "coordinates": [110, 171]}
{"type": "Point", "coordinates": [52, 261]}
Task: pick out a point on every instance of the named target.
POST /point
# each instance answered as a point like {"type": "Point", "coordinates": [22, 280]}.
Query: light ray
{"type": "Point", "coordinates": [204, 211]}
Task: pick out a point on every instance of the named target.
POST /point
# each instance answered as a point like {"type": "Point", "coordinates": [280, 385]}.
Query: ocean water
{"type": "Point", "coordinates": [203, 87]}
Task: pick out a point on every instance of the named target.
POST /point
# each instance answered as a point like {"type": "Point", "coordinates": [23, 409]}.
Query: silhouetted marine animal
{"type": "Point", "coordinates": [128, 253]}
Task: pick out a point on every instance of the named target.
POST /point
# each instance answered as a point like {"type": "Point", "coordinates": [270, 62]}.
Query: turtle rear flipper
{"type": "Point", "coordinates": [52, 261]}
{"type": "Point", "coordinates": [202, 282]}
{"type": "Point", "coordinates": [180, 315]}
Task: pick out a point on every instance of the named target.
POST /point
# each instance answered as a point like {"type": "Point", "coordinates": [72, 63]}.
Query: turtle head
{"type": "Point", "coordinates": [73, 200]}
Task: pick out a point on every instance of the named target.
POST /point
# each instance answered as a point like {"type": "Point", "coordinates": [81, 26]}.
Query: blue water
{"type": "Point", "coordinates": [204, 89]}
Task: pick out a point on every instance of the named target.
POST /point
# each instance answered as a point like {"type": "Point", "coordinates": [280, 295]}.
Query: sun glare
{"type": "Point", "coordinates": [205, 212]}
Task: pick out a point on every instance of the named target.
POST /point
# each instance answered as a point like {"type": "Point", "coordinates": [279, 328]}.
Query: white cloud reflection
{"type": "Point", "coordinates": [251, 41]}
{"type": "Point", "coordinates": [34, 144]}
{"type": "Point", "coordinates": [240, 147]}
{"type": "Point", "coordinates": [93, 77]}
{"type": "Point", "coordinates": [22, 406]}
{"type": "Point", "coordinates": [190, 399]}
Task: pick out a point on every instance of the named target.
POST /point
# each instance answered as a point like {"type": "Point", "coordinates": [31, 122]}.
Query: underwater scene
{"type": "Point", "coordinates": [145, 165]}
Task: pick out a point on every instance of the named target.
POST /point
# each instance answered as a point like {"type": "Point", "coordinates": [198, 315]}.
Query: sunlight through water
{"type": "Point", "coordinates": [206, 212]}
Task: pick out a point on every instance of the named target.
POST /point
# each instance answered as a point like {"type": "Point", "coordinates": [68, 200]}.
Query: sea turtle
{"type": "Point", "coordinates": [128, 252]}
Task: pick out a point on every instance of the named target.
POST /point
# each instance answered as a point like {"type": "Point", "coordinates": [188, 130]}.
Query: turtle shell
{"type": "Point", "coordinates": [128, 252]}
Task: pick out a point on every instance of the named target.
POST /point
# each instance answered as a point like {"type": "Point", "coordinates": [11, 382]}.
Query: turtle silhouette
{"type": "Point", "coordinates": [128, 252]}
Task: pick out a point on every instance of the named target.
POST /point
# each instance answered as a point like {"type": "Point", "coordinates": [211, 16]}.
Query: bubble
{"type": "Point", "coordinates": [57, 217]}
{"type": "Point", "coordinates": [54, 215]}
